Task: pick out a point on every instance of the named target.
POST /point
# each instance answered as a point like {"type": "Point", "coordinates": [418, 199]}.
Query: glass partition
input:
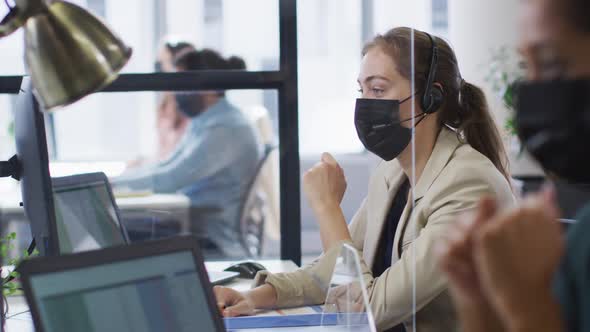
{"type": "Point", "coordinates": [347, 303]}
{"type": "Point", "coordinates": [390, 128]}
{"type": "Point", "coordinates": [213, 172]}
{"type": "Point", "coordinates": [147, 26]}
{"type": "Point", "coordinates": [204, 162]}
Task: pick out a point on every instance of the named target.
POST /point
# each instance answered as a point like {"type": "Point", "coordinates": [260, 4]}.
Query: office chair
{"type": "Point", "coordinates": [261, 120]}
{"type": "Point", "coordinates": [255, 210]}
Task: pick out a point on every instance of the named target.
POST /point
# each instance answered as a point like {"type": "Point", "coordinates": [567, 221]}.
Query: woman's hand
{"type": "Point", "coordinates": [324, 184]}
{"type": "Point", "coordinates": [232, 303]}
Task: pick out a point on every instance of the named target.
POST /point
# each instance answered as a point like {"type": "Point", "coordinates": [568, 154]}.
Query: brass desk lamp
{"type": "Point", "coordinates": [69, 53]}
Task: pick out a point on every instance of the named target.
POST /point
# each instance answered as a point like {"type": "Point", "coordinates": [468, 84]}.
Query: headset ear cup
{"type": "Point", "coordinates": [435, 100]}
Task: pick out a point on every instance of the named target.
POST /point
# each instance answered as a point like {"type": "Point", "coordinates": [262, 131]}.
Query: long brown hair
{"type": "Point", "coordinates": [464, 107]}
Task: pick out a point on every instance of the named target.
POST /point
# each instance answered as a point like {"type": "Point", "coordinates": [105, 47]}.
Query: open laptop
{"type": "Point", "coordinates": [86, 213]}
{"type": "Point", "coordinates": [88, 218]}
{"type": "Point", "coordinates": [149, 286]}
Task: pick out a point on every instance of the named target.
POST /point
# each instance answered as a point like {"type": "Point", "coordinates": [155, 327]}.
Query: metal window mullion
{"type": "Point", "coordinates": [196, 80]}
{"type": "Point", "coordinates": [289, 134]}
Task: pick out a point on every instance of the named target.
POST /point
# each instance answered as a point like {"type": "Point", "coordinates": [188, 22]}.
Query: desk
{"type": "Point", "coordinates": [174, 205]}
{"type": "Point", "coordinates": [23, 323]}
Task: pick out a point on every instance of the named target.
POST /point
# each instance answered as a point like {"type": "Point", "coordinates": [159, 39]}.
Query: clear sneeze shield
{"type": "Point", "coordinates": [347, 304]}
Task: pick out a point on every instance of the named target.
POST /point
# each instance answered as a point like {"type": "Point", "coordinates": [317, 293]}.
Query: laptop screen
{"type": "Point", "coordinates": [157, 293]}
{"type": "Point", "coordinates": [86, 217]}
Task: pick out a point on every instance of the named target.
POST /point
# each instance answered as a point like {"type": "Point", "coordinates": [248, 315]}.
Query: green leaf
{"type": "Point", "coordinates": [510, 125]}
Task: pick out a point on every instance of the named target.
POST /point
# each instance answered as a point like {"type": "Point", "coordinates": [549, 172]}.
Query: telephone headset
{"type": "Point", "coordinates": [432, 98]}
{"type": "Point", "coordinates": [433, 95]}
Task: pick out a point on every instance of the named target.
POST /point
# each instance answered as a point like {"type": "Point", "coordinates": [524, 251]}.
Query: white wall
{"type": "Point", "coordinates": [395, 13]}
{"type": "Point", "coordinates": [251, 30]}
{"type": "Point", "coordinates": [476, 27]}
{"type": "Point", "coordinates": [185, 19]}
{"type": "Point", "coordinates": [329, 39]}
{"type": "Point", "coordinates": [115, 125]}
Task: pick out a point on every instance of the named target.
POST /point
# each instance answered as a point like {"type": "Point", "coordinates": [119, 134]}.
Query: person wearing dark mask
{"type": "Point", "coordinates": [512, 270]}
{"type": "Point", "coordinates": [170, 123]}
{"type": "Point", "coordinates": [213, 162]}
{"type": "Point", "coordinates": [412, 197]}
{"type": "Point", "coordinates": [168, 52]}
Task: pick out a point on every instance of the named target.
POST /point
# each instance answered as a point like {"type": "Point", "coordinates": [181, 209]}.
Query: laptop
{"type": "Point", "coordinates": [149, 286]}
{"type": "Point", "coordinates": [86, 214]}
{"type": "Point", "coordinates": [88, 218]}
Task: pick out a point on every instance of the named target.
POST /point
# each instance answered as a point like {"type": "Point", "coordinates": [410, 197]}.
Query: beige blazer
{"type": "Point", "coordinates": [456, 176]}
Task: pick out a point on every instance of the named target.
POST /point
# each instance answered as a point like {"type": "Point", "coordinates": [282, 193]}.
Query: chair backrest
{"type": "Point", "coordinates": [261, 120]}
{"type": "Point", "coordinates": [254, 211]}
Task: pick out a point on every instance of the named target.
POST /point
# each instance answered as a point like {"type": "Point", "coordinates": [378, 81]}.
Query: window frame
{"type": "Point", "coordinates": [284, 81]}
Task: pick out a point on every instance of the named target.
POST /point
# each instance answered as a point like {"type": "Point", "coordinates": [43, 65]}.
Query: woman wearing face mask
{"type": "Point", "coordinates": [513, 270]}
{"type": "Point", "coordinates": [458, 159]}
{"type": "Point", "coordinates": [170, 123]}
{"type": "Point", "coordinates": [212, 164]}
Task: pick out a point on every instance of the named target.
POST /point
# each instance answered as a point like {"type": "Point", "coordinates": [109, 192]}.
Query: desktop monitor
{"type": "Point", "coordinates": [86, 213]}
{"type": "Point", "coordinates": [149, 286]}
{"type": "Point", "coordinates": [31, 148]}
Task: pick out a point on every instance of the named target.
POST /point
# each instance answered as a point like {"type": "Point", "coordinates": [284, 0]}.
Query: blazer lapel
{"type": "Point", "coordinates": [381, 196]}
{"type": "Point", "coordinates": [446, 144]}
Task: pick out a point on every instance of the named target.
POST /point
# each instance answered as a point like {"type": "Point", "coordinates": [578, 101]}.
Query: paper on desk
{"type": "Point", "coordinates": [304, 316]}
{"type": "Point", "coordinates": [290, 311]}
{"type": "Point", "coordinates": [128, 193]}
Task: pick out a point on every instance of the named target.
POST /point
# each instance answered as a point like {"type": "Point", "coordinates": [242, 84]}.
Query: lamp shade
{"type": "Point", "coordinates": [69, 52]}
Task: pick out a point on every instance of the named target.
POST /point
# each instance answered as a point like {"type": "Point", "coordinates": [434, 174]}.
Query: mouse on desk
{"type": "Point", "coordinates": [247, 270]}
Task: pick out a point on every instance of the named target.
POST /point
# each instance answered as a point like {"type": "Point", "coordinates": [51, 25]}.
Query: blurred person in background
{"type": "Point", "coordinates": [513, 270]}
{"type": "Point", "coordinates": [213, 162]}
{"type": "Point", "coordinates": [170, 124]}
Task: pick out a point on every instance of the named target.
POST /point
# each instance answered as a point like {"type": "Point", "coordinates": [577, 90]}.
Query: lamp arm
{"type": "Point", "coordinates": [19, 14]}
{"type": "Point", "coordinates": [12, 168]}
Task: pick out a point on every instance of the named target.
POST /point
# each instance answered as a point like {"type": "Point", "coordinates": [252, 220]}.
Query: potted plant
{"type": "Point", "coordinates": [10, 277]}
{"type": "Point", "coordinates": [505, 71]}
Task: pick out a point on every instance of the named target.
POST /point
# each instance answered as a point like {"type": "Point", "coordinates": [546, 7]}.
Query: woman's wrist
{"type": "Point", "coordinates": [325, 207]}
{"type": "Point", "coordinates": [333, 227]}
{"type": "Point", "coordinates": [262, 297]}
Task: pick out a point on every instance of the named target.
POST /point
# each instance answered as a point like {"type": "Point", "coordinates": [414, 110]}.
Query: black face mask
{"type": "Point", "coordinates": [190, 104]}
{"type": "Point", "coordinates": [379, 127]}
{"type": "Point", "coordinates": [553, 123]}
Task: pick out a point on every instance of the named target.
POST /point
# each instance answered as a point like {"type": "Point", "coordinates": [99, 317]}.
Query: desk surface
{"type": "Point", "coordinates": [18, 304]}
{"type": "Point", "coordinates": [10, 204]}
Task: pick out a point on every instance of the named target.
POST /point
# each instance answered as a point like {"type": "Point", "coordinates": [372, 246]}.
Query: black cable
{"type": "Point", "coordinates": [18, 313]}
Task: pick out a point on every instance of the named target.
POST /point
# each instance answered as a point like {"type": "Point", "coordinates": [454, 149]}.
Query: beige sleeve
{"type": "Point", "coordinates": [391, 295]}
{"type": "Point", "coordinates": [309, 284]}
